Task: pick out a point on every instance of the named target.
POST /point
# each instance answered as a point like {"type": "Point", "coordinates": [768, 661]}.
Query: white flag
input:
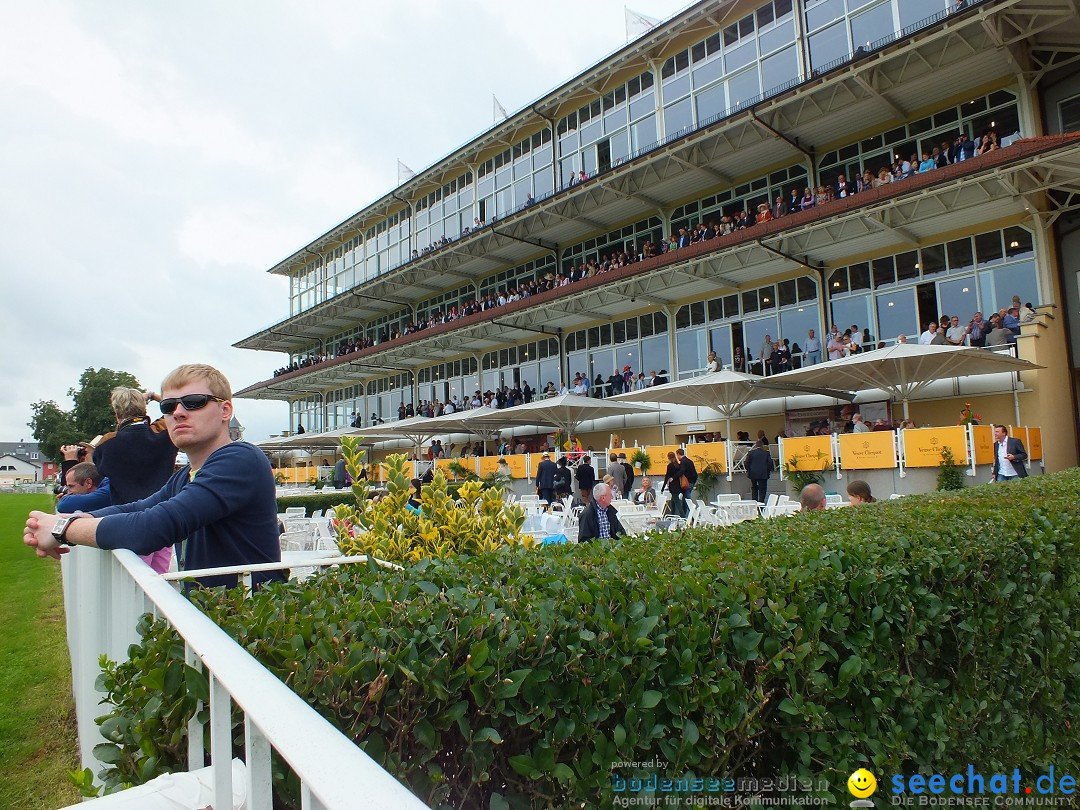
{"type": "Point", "coordinates": [498, 111]}
{"type": "Point", "coordinates": [404, 173]}
{"type": "Point", "coordinates": [637, 24]}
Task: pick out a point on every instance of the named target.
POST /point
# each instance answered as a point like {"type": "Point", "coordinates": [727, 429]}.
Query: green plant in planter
{"type": "Point", "coordinates": [801, 478]}
{"type": "Point", "coordinates": [641, 460]}
{"type": "Point", "coordinates": [709, 476]}
{"type": "Point", "coordinates": [950, 474]}
{"type": "Point", "coordinates": [460, 472]}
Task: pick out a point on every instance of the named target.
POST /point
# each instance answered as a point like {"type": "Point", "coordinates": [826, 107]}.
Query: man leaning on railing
{"type": "Point", "coordinates": [218, 511]}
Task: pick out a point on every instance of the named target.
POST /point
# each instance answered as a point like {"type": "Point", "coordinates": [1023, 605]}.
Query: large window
{"type": "Point", "coordinates": [897, 295]}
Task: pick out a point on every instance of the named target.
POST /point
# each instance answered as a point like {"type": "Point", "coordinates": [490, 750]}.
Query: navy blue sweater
{"type": "Point", "coordinates": [227, 514]}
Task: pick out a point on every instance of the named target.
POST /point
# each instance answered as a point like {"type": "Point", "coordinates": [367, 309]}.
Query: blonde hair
{"type": "Point", "coordinates": [127, 403]}
{"type": "Point", "coordinates": [215, 380]}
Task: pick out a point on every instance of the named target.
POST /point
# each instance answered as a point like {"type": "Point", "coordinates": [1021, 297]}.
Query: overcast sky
{"type": "Point", "coordinates": [157, 158]}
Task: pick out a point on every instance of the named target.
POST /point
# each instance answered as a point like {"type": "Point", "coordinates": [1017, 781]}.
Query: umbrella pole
{"type": "Point", "coordinates": [730, 456]}
{"type": "Point", "coordinates": [906, 415]}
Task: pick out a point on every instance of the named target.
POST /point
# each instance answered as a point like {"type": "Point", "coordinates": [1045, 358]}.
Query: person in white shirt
{"type": "Point", "coordinates": [957, 334]}
{"type": "Point", "coordinates": [859, 426]}
{"type": "Point", "coordinates": [856, 337]}
{"type": "Point", "coordinates": [930, 335]}
{"type": "Point", "coordinates": [713, 364]}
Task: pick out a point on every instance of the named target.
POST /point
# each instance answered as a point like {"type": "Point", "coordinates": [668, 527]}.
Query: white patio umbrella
{"type": "Point", "coordinates": [332, 438]}
{"type": "Point", "coordinates": [723, 391]}
{"type": "Point", "coordinates": [903, 369]}
{"type": "Point", "coordinates": [565, 412]}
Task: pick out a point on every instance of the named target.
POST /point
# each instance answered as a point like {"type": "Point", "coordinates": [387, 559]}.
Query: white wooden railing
{"type": "Point", "coordinates": [105, 593]}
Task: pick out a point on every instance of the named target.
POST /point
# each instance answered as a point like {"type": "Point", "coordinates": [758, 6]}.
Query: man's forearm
{"type": "Point", "coordinates": [83, 532]}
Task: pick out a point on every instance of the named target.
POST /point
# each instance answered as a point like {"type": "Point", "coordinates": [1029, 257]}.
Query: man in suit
{"type": "Point", "coordinates": [1009, 456]}
{"type": "Point", "coordinates": [545, 478]}
{"type": "Point", "coordinates": [628, 468]}
{"type": "Point", "coordinates": [586, 477]}
{"type": "Point", "coordinates": [599, 520]}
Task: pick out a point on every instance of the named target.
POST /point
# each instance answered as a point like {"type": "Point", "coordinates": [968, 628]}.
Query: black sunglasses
{"type": "Point", "coordinates": [191, 402]}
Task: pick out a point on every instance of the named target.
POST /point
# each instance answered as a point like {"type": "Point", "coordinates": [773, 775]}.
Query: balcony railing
{"type": "Point", "coordinates": [105, 593]}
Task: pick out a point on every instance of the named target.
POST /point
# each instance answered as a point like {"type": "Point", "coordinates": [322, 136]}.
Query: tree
{"type": "Point", "coordinates": [52, 428]}
{"type": "Point", "coordinates": [92, 415]}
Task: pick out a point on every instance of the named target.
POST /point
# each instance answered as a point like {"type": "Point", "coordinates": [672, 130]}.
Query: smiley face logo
{"type": "Point", "coordinates": [862, 783]}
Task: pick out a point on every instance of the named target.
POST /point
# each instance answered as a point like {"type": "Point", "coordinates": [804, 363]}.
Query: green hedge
{"type": "Point", "coordinates": [914, 635]}
{"type": "Point", "coordinates": [313, 503]}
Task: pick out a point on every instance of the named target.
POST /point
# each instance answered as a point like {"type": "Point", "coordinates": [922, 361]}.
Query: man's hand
{"type": "Point", "coordinates": [71, 451]}
{"type": "Point", "coordinates": [38, 535]}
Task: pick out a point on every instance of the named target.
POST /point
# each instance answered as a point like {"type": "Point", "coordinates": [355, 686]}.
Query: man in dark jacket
{"type": "Point", "coordinates": [687, 468]}
{"type": "Point", "coordinates": [629, 469]}
{"type": "Point", "coordinates": [759, 466]}
{"type": "Point", "coordinates": [563, 479]}
{"type": "Point", "coordinates": [599, 520]}
{"type": "Point", "coordinates": [1009, 456]}
{"type": "Point", "coordinates": [545, 478]}
{"type": "Point", "coordinates": [586, 477]}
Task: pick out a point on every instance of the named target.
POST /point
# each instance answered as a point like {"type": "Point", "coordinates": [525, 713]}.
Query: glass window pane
{"type": "Point", "coordinates": [779, 69]}
{"type": "Point", "coordinates": [870, 26]}
{"type": "Point", "coordinates": [913, 11]}
{"type": "Point", "coordinates": [824, 12]}
{"type": "Point", "coordinates": [743, 87]}
{"type": "Point", "coordinates": [712, 101]}
{"type": "Point", "coordinates": [690, 345]}
{"type": "Point", "coordinates": [848, 311]}
{"type": "Point", "coordinates": [795, 323]}
{"type": "Point", "coordinates": [960, 254]}
{"type": "Point", "coordinates": [1018, 243]}
{"type": "Point", "coordinates": [859, 276]}
{"type": "Point", "coordinates": [779, 36]}
{"type": "Point", "coordinates": [829, 44]}
{"type": "Point", "coordinates": [897, 314]}
{"type": "Point", "coordinates": [708, 72]}
{"type": "Point", "coordinates": [988, 247]}
{"type": "Point", "coordinates": [958, 297]}
{"type": "Point", "coordinates": [740, 56]}
{"type": "Point", "coordinates": [642, 105]}
{"type": "Point", "coordinates": [675, 88]}
{"type": "Point", "coordinates": [654, 354]}
{"type": "Point", "coordinates": [786, 292]}
{"type": "Point", "coordinates": [998, 286]}
{"type": "Point", "coordinates": [754, 333]}
{"type": "Point", "coordinates": [933, 260]}
{"type": "Point", "coordinates": [678, 117]}
{"type": "Point", "coordinates": [807, 288]}
{"type": "Point", "coordinates": [720, 342]}
{"type": "Point", "coordinates": [644, 133]}
{"type": "Point", "coordinates": [884, 271]}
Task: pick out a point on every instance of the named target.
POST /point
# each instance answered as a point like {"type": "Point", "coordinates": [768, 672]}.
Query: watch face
{"type": "Point", "coordinates": [59, 526]}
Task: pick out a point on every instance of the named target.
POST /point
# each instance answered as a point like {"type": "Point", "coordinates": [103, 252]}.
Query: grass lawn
{"type": "Point", "coordinates": [37, 714]}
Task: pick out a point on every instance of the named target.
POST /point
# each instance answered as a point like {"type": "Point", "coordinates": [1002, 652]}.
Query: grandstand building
{"type": "Point", "coordinates": [723, 108]}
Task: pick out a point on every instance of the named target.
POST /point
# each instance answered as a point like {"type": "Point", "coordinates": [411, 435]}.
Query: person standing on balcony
{"type": "Point", "coordinates": [219, 510]}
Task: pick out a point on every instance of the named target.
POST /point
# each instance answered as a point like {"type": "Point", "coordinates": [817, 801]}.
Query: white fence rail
{"type": "Point", "coordinates": [104, 595]}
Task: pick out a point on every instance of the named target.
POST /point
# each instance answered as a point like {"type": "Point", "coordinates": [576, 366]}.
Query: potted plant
{"type": "Point", "coordinates": [801, 478]}
{"type": "Point", "coordinates": [708, 477]}
{"type": "Point", "coordinates": [641, 460]}
{"type": "Point", "coordinates": [950, 474]}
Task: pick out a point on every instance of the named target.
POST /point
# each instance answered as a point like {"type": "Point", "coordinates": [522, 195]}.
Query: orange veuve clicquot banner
{"type": "Point", "coordinates": [923, 446]}
{"type": "Point", "coordinates": [807, 452]}
{"type": "Point", "coordinates": [868, 451]}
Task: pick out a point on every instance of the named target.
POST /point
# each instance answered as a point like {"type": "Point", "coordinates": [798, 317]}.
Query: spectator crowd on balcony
{"type": "Point", "coordinates": [961, 148]}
